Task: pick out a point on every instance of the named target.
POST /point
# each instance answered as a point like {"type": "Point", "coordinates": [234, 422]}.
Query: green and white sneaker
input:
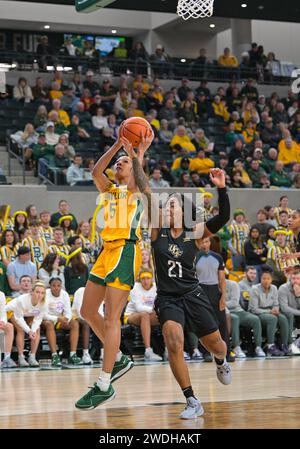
{"type": "Point", "coordinates": [74, 360]}
{"type": "Point", "coordinates": [55, 361]}
{"type": "Point", "coordinates": [95, 397]}
{"type": "Point", "coordinates": [120, 368]}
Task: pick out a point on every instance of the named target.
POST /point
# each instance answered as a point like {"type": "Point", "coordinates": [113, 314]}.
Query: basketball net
{"type": "Point", "coordinates": [195, 9]}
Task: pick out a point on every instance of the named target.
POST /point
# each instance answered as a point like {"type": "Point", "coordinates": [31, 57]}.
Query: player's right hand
{"type": "Point", "coordinates": [128, 147]}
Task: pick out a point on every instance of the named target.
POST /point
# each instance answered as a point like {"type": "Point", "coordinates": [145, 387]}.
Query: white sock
{"type": "Point", "coordinates": [32, 354]}
{"type": "Point", "coordinates": [21, 356]}
{"type": "Point", "coordinates": [72, 353]}
{"type": "Point", "coordinates": [118, 356]}
{"type": "Point", "coordinates": [6, 355]}
{"type": "Point", "coordinates": [148, 350]}
{"type": "Point", "coordinates": [85, 352]}
{"type": "Point", "coordinates": [104, 381]}
{"type": "Point", "coordinates": [54, 353]}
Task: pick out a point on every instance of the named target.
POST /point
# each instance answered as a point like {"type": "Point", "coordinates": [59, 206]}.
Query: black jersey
{"type": "Point", "coordinates": [174, 261]}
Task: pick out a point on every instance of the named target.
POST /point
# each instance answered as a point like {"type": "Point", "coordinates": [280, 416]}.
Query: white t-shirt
{"type": "Point", "coordinates": [141, 300]}
{"type": "Point", "coordinates": [23, 308]}
{"type": "Point", "coordinates": [77, 303]}
{"type": "Point", "coordinates": [3, 316]}
{"type": "Point", "coordinates": [58, 306]}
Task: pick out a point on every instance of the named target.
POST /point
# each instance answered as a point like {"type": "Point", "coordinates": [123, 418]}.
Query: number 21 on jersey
{"type": "Point", "coordinates": [175, 269]}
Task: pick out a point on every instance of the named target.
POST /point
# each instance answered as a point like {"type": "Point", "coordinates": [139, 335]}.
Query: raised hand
{"type": "Point", "coordinates": [145, 142]}
{"type": "Point", "coordinates": [128, 147]}
{"type": "Point", "coordinates": [217, 177]}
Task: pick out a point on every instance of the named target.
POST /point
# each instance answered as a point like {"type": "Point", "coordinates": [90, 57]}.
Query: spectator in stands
{"type": "Point", "coordinates": [25, 285]}
{"type": "Point", "coordinates": [51, 268]}
{"type": "Point", "coordinates": [140, 311]}
{"type": "Point", "coordinates": [58, 246]}
{"type": "Point", "coordinates": [40, 118]}
{"type": "Point", "coordinates": [289, 151]}
{"type": "Point", "coordinates": [20, 223]}
{"type": "Point", "coordinates": [45, 51]}
{"type": "Point", "coordinates": [139, 53]}
{"type": "Point", "coordinates": [261, 224]}
{"type": "Point", "coordinates": [289, 301]}
{"type": "Point", "coordinates": [22, 91]}
{"type": "Point", "coordinates": [60, 315]}
{"type": "Point", "coordinates": [8, 330]}
{"type": "Point", "coordinates": [69, 49]}
{"type": "Point", "coordinates": [161, 61]}
{"type": "Point", "coordinates": [239, 230]}
{"type": "Point", "coordinates": [99, 120]}
{"type": "Point", "coordinates": [278, 177]}
{"type": "Point", "coordinates": [108, 95]}
{"type": "Point", "coordinates": [197, 67]}
{"type": "Point", "coordinates": [220, 109]}
{"type": "Point", "coordinates": [20, 267]}
{"type": "Point", "coordinates": [83, 115]}
{"type": "Point", "coordinates": [201, 163]}
{"type": "Point", "coordinates": [77, 85]}
{"type": "Point", "coordinates": [296, 182]}
{"type": "Point", "coordinates": [39, 91]}
{"type": "Point", "coordinates": [63, 116]}
{"type": "Point", "coordinates": [272, 66]}
{"type": "Point", "coordinates": [165, 134]}
{"type": "Point", "coordinates": [123, 99]}
{"type": "Point", "coordinates": [32, 214]}
{"type": "Point", "coordinates": [181, 140]}
{"type": "Point", "coordinates": [270, 134]}
{"type": "Point", "coordinates": [75, 172]}
{"type": "Point", "coordinates": [8, 242]}
{"type": "Point", "coordinates": [77, 131]}
{"type": "Point", "coordinates": [237, 152]}
{"type": "Point", "coordinates": [280, 247]}
{"type": "Point", "coordinates": [52, 137]}
{"type": "Point", "coordinates": [25, 138]}
{"type": "Point", "coordinates": [55, 92]}
{"type": "Point", "coordinates": [63, 209]}
{"type": "Point", "coordinates": [28, 310]}
{"type": "Point", "coordinates": [156, 181]}
{"type": "Point", "coordinates": [236, 179]}
{"type": "Point", "coordinates": [227, 59]}
{"type": "Point", "coordinates": [264, 303]}
{"type": "Point", "coordinates": [246, 285]}
{"type": "Point", "coordinates": [183, 89]}
{"type": "Point", "coordinates": [255, 251]}
{"type": "Point", "coordinates": [255, 173]}
{"type": "Point", "coordinates": [76, 274]}
{"type": "Point", "coordinates": [41, 149]}
{"type": "Point", "coordinates": [69, 99]}
{"type": "Point", "coordinates": [283, 207]}
{"type": "Point", "coordinates": [69, 149]}
{"type": "Point", "coordinates": [184, 181]}
{"type": "Point", "coordinates": [88, 50]}
{"type": "Point", "coordinates": [241, 318]}
{"type": "Point", "coordinates": [250, 91]}
{"type": "Point", "coordinates": [169, 113]}
{"type": "Point", "coordinates": [90, 83]}
{"type": "Point", "coordinates": [280, 115]}
{"type": "Point", "coordinates": [106, 139]}
{"type": "Point", "coordinates": [239, 165]}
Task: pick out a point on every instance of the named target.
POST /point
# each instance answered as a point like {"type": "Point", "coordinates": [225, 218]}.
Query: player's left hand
{"type": "Point", "coordinates": [217, 177]}
{"type": "Point", "coordinates": [128, 147]}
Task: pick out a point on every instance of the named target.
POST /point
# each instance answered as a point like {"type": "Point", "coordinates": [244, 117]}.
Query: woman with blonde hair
{"type": "Point", "coordinates": [28, 312]}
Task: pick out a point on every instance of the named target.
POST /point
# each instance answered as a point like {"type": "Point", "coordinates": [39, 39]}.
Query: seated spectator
{"type": "Point", "coordinates": [58, 246]}
{"type": "Point", "coordinates": [28, 311]}
{"type": "Point", "coordinates": [139, 54]}
{"type": "Point", "coordinates": [123, 99]}
{"type": "Point", "coordinates": [250, 91]}
{"type": "Point", "coordinates": [231, 135]}
{"type": "Point", "coordinates": [278, 177]}
{"type": "Point", "coordinates": [8, 330]}
{"type": "Point", "coordinates": [140, 311]}
{"type": "Point", "coordinates": [227, 59]}
{"type": "Point", "coordinates": [249, 133]}
{"type": "Point", "coordinates": [77, 131]}
{"type": "Point", "coordinates": [77, 85]}
{"type": "Point", "coordinates": [55, 92]}
{"type": "Point", "coordinates": [238, 165]}
{"type": "Point", "coordinates": [39, 91]}
{"type": "Point", "coordinates": [255, 251]}
{"type": "Point", "coordinates": [241, 318]}
{"type": "Point", "coordinates": [40, 118]}
{"type": "Point", "coordinates": [106, 139]}
{"type": "Point", "coordinates": [51, 268]}
{"type": "Point", "coordinates": [91, 84]}
{"type": "Point", "coordinates": [20, 224]}
{"type": "Point", "coordinates": [25, 285]}
{"type": "Point", "coordinates": [156, 181]}
{"type": "Point", "coordinates": [270, 134]}
{"type": "Point", "coordinates": [246, 285]}
{"type": "Point", "coordinates": [59, 315]}
{"type": "Point", "coordinates": [220, 109]}
{"type": "Point", "coordinates": [63, 209]}
{"type": "Point", "coordinates": [272, 66]}
{"type": "Point", "coordinates": [69, 49]}
{"type": "Point", "coordinates": [288, 296]}
{"type": "Point", "coordinates": [20, 267]}
{"type": "Point", "coordinates": [181, 140]}
{"type": "Point", "coordinates": [249, 112]}
{"type": "Point", "coordinates": [184, 181]}
{"type": "Point", "coordinates": [234, 99]}
{"type": "Point", "coordinates": [108, 95]}
{"type": "Point", "coordinates": [274, 258]}
{"type": "Point", "coordinates": [179, 166]}
{"type": "Point", "coordinates": [63, 116]}
{"type": "Point", "coordinates": [261, 223]}
{"type": "Point", "coordinates": [45, 52]}
{"type": "Point", "coordinates": [59, 162]}
{"type": "Point", "coordinates": [75, 172]}
{"type": "Point", "coordinates": [52, 137]}
{"type": "Point", "coordinates": [237, 152]}
{"type": "Point", "coordinates": [83, 116]}
{"type": "Point", "coordinates": [165, 134]}
{"type": "Point", "coordinates": [119, 52]}
{"type": "Point", "coordinates": [196, 180]}
{"type": "Point", "coordinates": [76, 273]}
{"type": "Point", "coordinates": [161, 61]}
{"type": "Point", "coordinates": [289, 151]}
{"type": "Point", "coordinates": [87, 99]}
{"type": "Point", "coordinates": [8, 242]}
{"type": "Point", "coordinates": [255, 173]}
{"type": "Point", "coordinates": [280, 115]}
{"type": "Point", "coordinates": [296, 182]}
{"type": "Point", "coordinates": [264, 303]}
{"type": "Point", "coordinates": [25, 138]}
{"type": "Point", "coordinates": [283, 207]}
{"type": "Point", "coordinates": [200, 140]}
{"type": "Point", "coordinates": [201, 163]}
{"type": "Point", "coordinates": [69, 149]}
{"type": "Point", "coordinates": [236, 179]}
{"type": "Point", "coordinates": [65, 224]}
{"type": "Point", "coordinates": [98, 120]}
{"type": "Point", "coordinates": [69, 99]}
{"type": "Point", "coordinates": [22, 91]}
{"type": "Point", "coordinates": [269, 161]}
{"type": "Point", "coordinates": [36, 243]}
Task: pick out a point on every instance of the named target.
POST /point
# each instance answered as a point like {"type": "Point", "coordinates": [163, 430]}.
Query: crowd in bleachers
{"type": "Point", "coordinates": [255, 139]}
{"type": "Point", "coordinates": [46, 258]}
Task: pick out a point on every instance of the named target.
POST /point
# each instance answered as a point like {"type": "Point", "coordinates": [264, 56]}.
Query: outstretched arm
{"type": "Point", "coordinates": [101, 181]}
{"type": "Point", "coordinates": [216, 223]}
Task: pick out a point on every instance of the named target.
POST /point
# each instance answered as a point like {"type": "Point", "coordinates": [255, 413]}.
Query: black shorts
{"type": "Point", "coordinates": [192, 310]}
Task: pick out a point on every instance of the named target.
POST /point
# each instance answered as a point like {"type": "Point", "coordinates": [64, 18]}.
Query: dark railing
{"type": "Point", "coordinates": [174, 69]}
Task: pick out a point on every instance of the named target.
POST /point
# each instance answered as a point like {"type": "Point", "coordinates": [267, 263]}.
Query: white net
{"type": "Point", "coordinates": [195, 9]}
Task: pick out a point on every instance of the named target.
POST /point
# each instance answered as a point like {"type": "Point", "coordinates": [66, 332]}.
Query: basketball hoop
{"type": "Point", "coordinates": [195, 9]}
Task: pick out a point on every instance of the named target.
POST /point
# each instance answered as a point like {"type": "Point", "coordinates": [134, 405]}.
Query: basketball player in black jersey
{"type": "Point", "coordinates": [181, 303]}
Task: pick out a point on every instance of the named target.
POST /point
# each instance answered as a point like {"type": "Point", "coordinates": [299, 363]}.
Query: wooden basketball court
{"type": "Point", "coordinates": [264, 394]}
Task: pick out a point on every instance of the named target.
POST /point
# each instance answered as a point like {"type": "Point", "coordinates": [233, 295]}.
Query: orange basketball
{"type": "Point", "coordinates": [134, 128]}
